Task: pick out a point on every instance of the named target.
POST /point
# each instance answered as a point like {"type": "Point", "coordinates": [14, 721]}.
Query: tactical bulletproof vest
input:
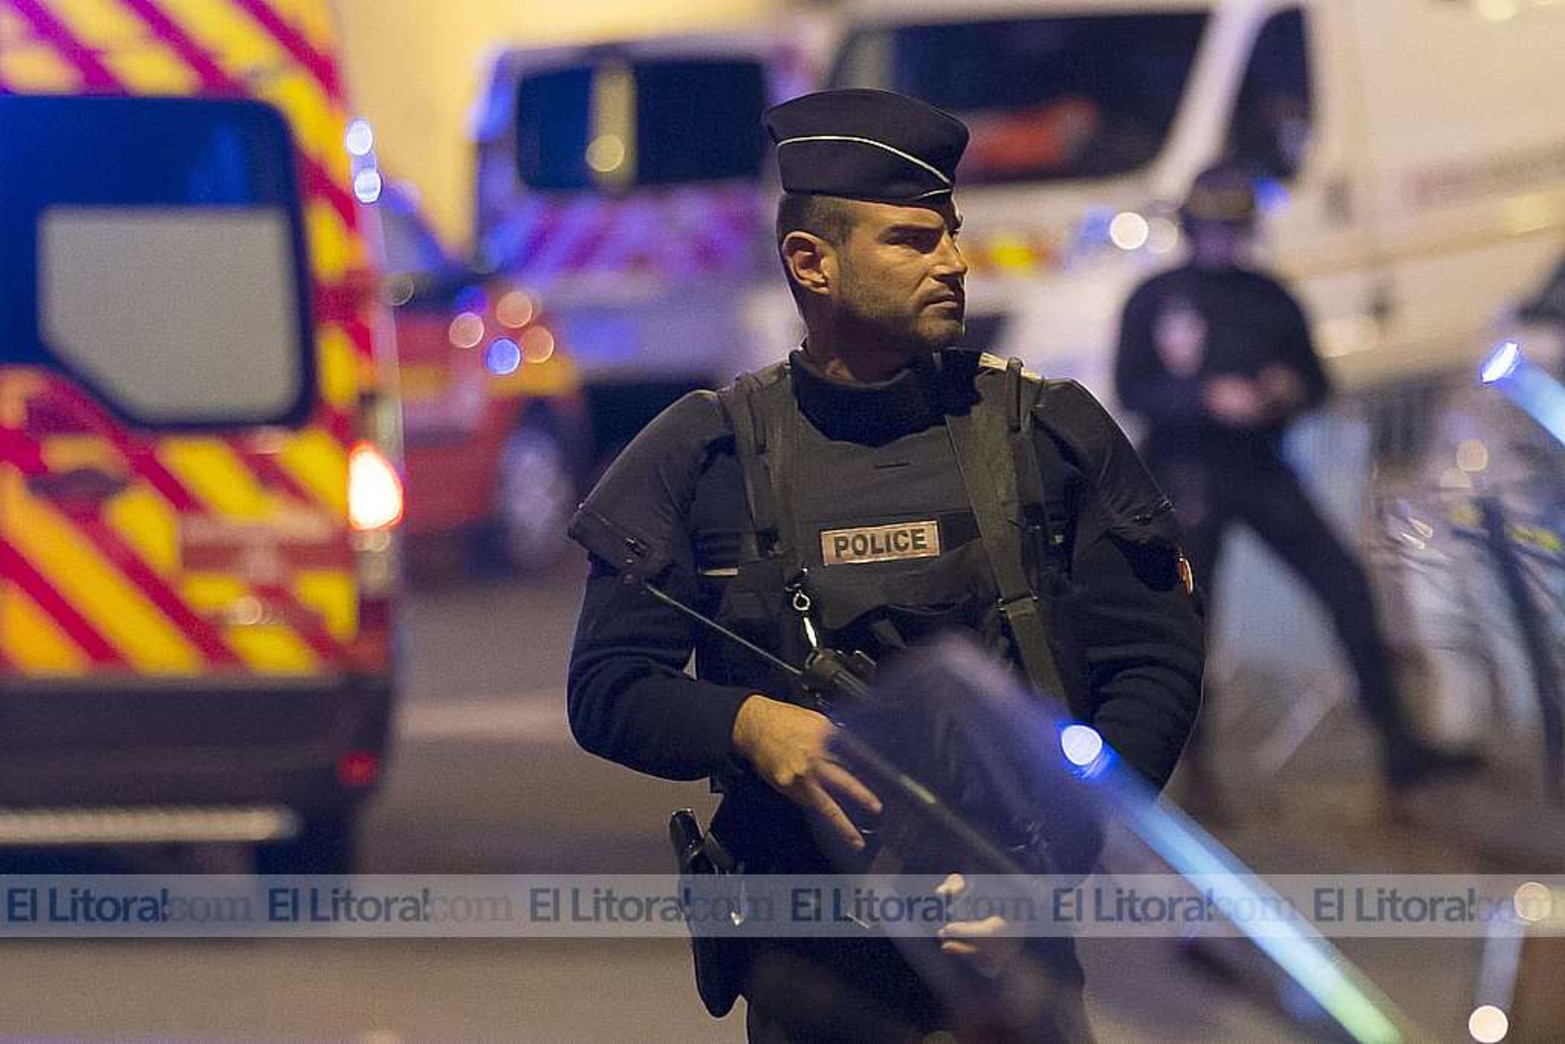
{"type": "Point", "coordinates": [876, 543]}
{"type": "Point", "coordinates": [888, 541]}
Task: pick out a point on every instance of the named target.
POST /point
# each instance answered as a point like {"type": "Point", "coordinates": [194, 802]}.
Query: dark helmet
{"type": "Point", "coordinates": [1223, 194]}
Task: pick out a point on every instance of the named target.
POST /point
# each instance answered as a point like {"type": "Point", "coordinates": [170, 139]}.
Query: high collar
{"type": "Point", "coordinates": [878, 412]}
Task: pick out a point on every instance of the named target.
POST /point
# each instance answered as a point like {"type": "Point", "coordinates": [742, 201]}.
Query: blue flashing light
{"type": "Point", "coordinates": [1502, 362]}
{"type": "Point", "coordinates": [367, 185]}
{"type": "Point", "coordinates": [1536, 391]}
{"type": "Point", "coordinates": [1093, 231]}
{"type": "Point", "coordinates": [1271, 195]}
{"type": "Point", "coordinates": [1082, 745]}
{"type": "Point", "coordinates": [503, 356]}
{"type": "Point", "coordinates": [360, 138]}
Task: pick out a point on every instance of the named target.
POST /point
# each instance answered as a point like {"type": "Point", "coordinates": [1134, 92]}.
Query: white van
{"type": "Point", "coordinates": [1416, 148]}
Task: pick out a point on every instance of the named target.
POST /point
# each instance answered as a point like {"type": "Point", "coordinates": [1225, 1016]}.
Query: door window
{"type": "Point", "coordinates": [153, 249]}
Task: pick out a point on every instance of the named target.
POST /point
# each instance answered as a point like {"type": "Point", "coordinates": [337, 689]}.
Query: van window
{"type": "Point", "coordinates": [156, 253]}
{"type": "Point", "coordinates": [1045, 98]}
{"type": "Point", "coordinates": [687, 120]}
{"type": "Point", "coordinates": [1272, 116]}
{"type": "Point", "coordinates": [174, 313]}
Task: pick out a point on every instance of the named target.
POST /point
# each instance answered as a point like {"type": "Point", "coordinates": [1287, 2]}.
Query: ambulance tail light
{"type": "Point", "coordinates": [374, 490]}
{"type": "Point", "coordinates": [375, 505]}
{"type": "Point", "coordinates": [357, 769]}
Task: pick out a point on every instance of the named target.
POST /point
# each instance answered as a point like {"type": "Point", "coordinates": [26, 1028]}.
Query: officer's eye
{"type": "Point", "coordinates": [922, 240]}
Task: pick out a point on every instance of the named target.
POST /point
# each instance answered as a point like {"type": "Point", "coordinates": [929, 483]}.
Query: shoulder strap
{"type": "Point", "coordinates": [1040, 471]}
{"type": "Point", "coordinates": [988, 440]}
{"type": "Point", "coordinates": [766, 435]}
{"type": "Point", "coordinates": [745, 401]}
{"type": "Point", "coordinates": [779, 413]}
{"type": "Point", "coordinates": [737, 400]}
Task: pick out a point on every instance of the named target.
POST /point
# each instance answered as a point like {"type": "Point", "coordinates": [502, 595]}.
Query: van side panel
{"type": "Point", "coordinates": [1467, 158]}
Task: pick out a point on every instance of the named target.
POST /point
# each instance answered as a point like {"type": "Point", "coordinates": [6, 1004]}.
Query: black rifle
{"type": "Point", "coordinates": [840, 681]}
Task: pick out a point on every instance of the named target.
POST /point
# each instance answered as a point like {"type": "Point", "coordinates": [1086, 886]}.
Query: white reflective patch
{"type": "Point", "coordinates": [880, 543]}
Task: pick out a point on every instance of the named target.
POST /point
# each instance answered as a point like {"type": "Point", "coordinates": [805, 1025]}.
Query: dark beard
{"type": "Point", "coordinates": [899, 334]}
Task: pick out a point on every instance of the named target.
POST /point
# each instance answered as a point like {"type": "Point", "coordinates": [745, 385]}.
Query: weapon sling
{"type": "Point", "coordinates": [996, 452]}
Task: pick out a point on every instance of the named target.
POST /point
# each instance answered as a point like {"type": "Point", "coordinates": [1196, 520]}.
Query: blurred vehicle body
{"type": "Point", "coordinates": [1416, 176]}
{"type": "Point", "coordinates": [495, 437]}
{"type": "Point", "coordinates": [198, 435]}
{"type": "Point", "coordinates": [622, 184]}
{"type": "Point", "coordinates": [1537, 322]}
{"type": "Point", "coordinates": [1473, 551]}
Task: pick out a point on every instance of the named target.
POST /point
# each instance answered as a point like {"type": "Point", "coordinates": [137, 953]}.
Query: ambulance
{"type": "Point", "coordinates": [199, 486]}
{"type": "Point", "coordinates": [1413, 152]}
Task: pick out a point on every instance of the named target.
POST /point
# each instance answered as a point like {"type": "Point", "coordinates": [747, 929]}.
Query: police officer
{"type": "Point", "coordinates": [860, 504]}
{"type": "Point", "coordinates": [1217, 358]}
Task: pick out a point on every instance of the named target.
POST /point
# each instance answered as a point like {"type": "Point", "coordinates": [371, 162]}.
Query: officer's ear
{"type": "Point", "coordinates": [811, 262]}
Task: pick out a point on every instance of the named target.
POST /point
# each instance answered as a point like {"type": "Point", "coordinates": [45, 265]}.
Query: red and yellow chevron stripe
{"type": "Point", "coordinates": [206, 561]}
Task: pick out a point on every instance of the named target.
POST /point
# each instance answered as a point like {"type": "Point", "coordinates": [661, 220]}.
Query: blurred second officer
{"type": "Point", "coordinates": [1217, 358]}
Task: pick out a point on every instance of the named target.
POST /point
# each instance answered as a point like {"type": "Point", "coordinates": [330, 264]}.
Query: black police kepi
{"type": "Point", "coordinates": [866, 144]}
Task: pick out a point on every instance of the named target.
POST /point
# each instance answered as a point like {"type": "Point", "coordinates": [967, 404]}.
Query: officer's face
{"type": "Point", "coordinates": [900, 273]}
{"type": "Point", "coordinates": [1217, 245]}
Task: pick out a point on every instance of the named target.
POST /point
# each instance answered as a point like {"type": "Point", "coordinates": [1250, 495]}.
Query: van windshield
{"type": "Point", "coordinates": [1046, 98]}
{"type": "Point", "coordinates": [688, 120]}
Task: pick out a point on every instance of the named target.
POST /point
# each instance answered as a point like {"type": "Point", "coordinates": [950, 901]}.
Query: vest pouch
{"type": "Point", "coordinates": [1150, 540]}
{"type": "Point", "coordinates": [754, 606]}
{"type": "Point", "coordinates": [862, 607]}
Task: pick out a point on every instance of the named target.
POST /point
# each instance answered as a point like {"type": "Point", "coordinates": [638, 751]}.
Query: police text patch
{"type": "Point", "coordinates": [880, 543]}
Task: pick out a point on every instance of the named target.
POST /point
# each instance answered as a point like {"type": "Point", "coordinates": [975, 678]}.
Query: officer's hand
{"type": "Point", "coordinates": [787, 745]}
{"type": "Point", "coordinates": [986, 944]}
{"type": "Point", "coordinates": [1234, 401]}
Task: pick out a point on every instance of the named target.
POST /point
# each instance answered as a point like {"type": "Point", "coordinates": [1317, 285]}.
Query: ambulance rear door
{"type": "Point", "coordinates": [173, 497]}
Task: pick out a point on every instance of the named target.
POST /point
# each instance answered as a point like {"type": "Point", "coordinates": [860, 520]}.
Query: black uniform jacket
{"type": "Point", "coordinates": [1244, 321]}
{"type": "Point", "coordinates": [677, 490]}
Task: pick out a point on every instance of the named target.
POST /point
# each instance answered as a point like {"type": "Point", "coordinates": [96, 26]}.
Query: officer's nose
{"type": "Point", "coordinates": [950, 263]}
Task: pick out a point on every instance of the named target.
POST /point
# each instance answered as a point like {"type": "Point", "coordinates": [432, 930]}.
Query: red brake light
{"type": "Point", "coordinates": [374, 489]}
{"type": "Point", "coordinates": [358, 768]}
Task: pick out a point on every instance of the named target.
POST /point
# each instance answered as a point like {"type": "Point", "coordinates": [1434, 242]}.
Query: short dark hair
{"type": "Point", "coordinates": [824, 216]}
